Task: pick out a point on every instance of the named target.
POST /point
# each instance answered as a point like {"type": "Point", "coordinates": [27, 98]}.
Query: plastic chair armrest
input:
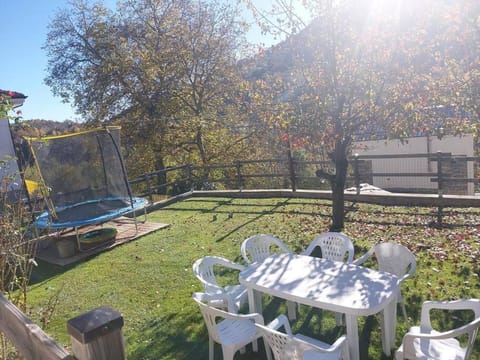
{"type": "Point", "coordinates": [337, 345]}
{"type": "Point", "coordinates": [244, 252]}
{"type": "Point", "coordinates": [349, 258]}
{"type": "Point", "coordinates": [437, 335]}
{"type": "Point", "coordinates": [341, 341]}
{"type": "Point", "coordinates": [211, 288]}
{"type": "Point", "coordinates": [413, 267]}
{"type": "Point", "coordinates": [465, 304]}
{"type": "Point", "coordinates": [363, 258]}
{"type": "Point", "coordinates": [280, 321]}
{"type": "Point", "coordinates": [256, 317]}
{"type": "Point", "coordinates": [233, 265]}
{"type": "Point", "coordinates": [220, 298]}
{"type": "Point", "coordinates": [228, 263]}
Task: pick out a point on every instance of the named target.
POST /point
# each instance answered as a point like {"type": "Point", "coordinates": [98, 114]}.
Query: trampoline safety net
{"type": "Point", "coordinates": [84, 176]}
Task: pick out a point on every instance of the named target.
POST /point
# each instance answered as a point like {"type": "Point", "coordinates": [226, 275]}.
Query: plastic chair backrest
{"type": "Point", "coordinates": [471, 328]}
{"type": "Point", "coordinates": [232, 331]}
{"type": "Point", "coordinates": [259, 247]}
{"type": "Point", "coordinates": [276, 340]}
{"type": "Point", "coordinates": [334, 246]}
{"type": "Point", "coordinates": [287, 346]}
{"type": "Point", "coordinates": [209, 314]}
{"type": "Point", "coordinates": [204, 270]}
{"type": "Point", "coordinates": [395, 259]}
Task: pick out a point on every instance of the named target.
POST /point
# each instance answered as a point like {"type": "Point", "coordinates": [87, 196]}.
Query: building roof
{"type": "Point", "coordinates": [16, 98]}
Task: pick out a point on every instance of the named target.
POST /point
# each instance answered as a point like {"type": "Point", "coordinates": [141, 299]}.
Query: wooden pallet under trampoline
{"type": "Point", "coordinates": [48, 250]}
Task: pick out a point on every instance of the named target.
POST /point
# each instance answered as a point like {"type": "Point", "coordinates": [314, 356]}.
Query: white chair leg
{"type": "Point", "coordinates": [258, 301]}
{"type": "Point", "coordinates": [339, 319]}
{"type": "Point", "coordinates": [292, 310]}
{"type": "Point", "coordinates": [210, 348]}
{"type": "Point", "coordinates": [402, 304]}
{"type": "Point", "coordinates": [345, 353]}
{"type": "Point", "coordinates": [268, 351]}
{"type": "Point", "coordinates": [399, 354]}
{"type": "Point", "coordinates": [228, 353]}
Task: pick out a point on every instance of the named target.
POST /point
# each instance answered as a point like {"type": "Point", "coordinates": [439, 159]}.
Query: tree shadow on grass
{"type": "Point", "coordinates": [216, 207]}
{"type": "Point", "coordinates": [179, 337]}
{"type": "Point", "coordinates": [44, 271]}
{"type": "Point", "coordinates": [400, 217]}
{"type": "Point", "coordinates": [274, 209]}
{"type": "Point", "coordinates": [321, 324]}
{"type": "Point", "coordinates": [169, 337]}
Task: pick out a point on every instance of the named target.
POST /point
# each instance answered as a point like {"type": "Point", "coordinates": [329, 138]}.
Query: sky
{"type": "Point", "coordinates": [23, 62]}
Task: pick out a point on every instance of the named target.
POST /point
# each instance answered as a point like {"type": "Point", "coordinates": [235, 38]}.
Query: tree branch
{"type": "Point", "coordinates": [325, 175]}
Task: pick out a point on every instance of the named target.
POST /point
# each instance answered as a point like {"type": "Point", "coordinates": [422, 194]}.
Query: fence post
{"type": "Point", "coordinates": [239, 175]}
{"type": "Point", "coordinates": [440, 186]}
{"type": "Point", "coordinates": [356, 173]}
{"type": "Point", "coordinates": [291, 166]}
{"type": "Point", "coordinates": [190, 176]}
{"type": "Point", "coordinates": [97, 335]}
{"type": "Point", "coordinates": [149, 188]}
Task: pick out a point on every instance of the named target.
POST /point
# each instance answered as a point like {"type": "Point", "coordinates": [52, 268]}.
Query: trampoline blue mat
{"type": "Point", "coordinates": [89, 212]}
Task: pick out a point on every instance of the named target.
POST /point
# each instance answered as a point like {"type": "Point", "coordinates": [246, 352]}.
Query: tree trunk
{"type": "Point", "coordinates": [161, 177]}
{"type": "Point", "coordinates": [202, 151]}
{"type": "Point", "coordinates": [338, 187]}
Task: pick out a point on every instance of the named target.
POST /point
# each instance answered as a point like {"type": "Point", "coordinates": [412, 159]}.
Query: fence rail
{"type": "Point", "coordinates": [95, 335]}
{"type": "Point", "coordinates": [445, 180]}
{"type": "Point", "coordinates": [442, 175]}
{"type": "Point", "coordinates": [26, 336]}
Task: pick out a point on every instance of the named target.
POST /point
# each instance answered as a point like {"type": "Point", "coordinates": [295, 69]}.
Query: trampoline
{"type": "Point", "coordinates": [89, 213]}
{"type": "Point", "coordinates": [83, 180]}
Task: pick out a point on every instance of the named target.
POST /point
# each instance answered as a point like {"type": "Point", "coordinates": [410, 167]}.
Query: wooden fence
{"type": "Point", "coordinates": [296, 178]}
{"type": "Point", "coordinates": [95, 335]}
{"type": "Point", "coordinates": [290, 173]}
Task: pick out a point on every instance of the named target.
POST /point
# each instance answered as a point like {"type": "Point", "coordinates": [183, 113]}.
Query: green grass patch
{"type": "Point", "coordinates": [150, 280]}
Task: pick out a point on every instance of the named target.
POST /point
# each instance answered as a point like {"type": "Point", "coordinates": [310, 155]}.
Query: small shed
{"type": "Point", "coordinates": [460, 147]}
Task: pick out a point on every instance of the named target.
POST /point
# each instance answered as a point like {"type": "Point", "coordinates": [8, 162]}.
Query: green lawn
{"type": "Point", "coordinates": [150, 280]}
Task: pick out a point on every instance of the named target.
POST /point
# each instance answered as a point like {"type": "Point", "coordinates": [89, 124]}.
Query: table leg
{"type": "Point", "coordinates": [351, 323]}
{"type": "Point", "coordinates": [389, 323]}
{"type": "Point", "coordinates": [254, 308]}
{"type": "Point", "coordinates": [251, 301]}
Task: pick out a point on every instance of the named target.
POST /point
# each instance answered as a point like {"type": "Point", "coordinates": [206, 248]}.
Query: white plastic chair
{"type": "Point", "coordinates": [423, 342]}
{"type": "Point", "coordinates": [287, 346]}
{"type": "Point", "coordinates": [395, 259]}
{"type": "Point", "coordinates": [334, 246]}
{"type": "Point", "coordinates": [259, 247]}
{"type": "Point", "coordinates": [204, 270]}
{"type": "Point", "coordinates": [232, 331]}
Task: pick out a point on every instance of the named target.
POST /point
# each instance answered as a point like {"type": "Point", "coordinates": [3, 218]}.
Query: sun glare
{"type": "Point", "coordinates": [385, 9]}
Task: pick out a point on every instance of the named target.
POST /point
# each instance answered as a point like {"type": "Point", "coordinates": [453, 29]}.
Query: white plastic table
{"type": "Point", "coordinates": [345, 288]}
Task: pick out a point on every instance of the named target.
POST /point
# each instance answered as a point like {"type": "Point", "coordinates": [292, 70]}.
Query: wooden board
{"type": "Point", "coordinates": [126, 232]}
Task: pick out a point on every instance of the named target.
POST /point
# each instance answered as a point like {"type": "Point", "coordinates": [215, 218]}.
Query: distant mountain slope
{"type": "Point", "coordinates": [40, 127]}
